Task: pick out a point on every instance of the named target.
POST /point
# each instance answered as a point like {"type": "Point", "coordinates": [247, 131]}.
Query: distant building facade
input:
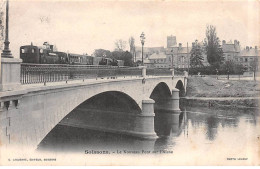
{"type": "Point", "coordinates": [171, 56]}
{"type": "Point", "coordinates": [158, 60]}
{"type": "Point", "coordinates": [178, 56]}
{"type": "Point", "coordinates": [249, 58]}
{"type": "Point", "coordinates": [147, 52]}
{"type": "Point", "coordinates": [230, 50]}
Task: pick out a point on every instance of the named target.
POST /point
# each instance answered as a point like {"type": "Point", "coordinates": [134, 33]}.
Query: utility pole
{"type": "Point", "coordinates": [188, 58]}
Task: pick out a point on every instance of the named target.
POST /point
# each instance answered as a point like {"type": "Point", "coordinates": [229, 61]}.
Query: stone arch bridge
{"type": "Point", "coordinates": [30, 112]}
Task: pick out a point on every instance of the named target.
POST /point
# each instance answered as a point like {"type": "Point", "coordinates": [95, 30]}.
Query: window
{"type": "Point", "coordinates": [23, 51]}
{"type": "Point", "coordinates": [32, 50]}
{"type": "Point", "coordinates": [41, 50]}
{"type": "Point", "coordinates": [245, 59]}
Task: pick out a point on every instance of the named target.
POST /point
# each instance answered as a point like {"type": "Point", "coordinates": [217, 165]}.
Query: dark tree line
{"type": "Point", "coordinates": [116, 55]}
{"type": "Point", "coordinates": [119, 53]}
{"type": "Point", "coordinates": [214, 56]}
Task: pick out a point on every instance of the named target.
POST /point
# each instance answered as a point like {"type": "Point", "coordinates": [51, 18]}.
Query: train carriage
{"type": "Point", "coordinates": [46, 55]}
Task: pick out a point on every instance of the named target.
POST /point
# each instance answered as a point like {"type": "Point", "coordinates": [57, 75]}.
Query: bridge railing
{"type": "Point", "coordinates": [163, 72]}
{"type": "Point", "coordinates": [158, 72]}
{"type": "Point", "coordinates": [42, 73]}
{"type": "Point", "coordinates": [36, 73]}
{"type": "Point", "coordinates": [178, 73]}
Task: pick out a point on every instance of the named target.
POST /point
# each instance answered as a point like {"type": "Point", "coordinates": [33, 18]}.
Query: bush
{"type": "Point", "coordinates": [211, 70]}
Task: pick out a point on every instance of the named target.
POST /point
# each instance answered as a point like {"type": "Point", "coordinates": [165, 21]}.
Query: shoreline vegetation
{"type": "Point", "coordinates": [212, 92]}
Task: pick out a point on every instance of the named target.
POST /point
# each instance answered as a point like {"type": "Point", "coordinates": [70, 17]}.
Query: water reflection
{"type": "Point", "coordinates": [193, 124]}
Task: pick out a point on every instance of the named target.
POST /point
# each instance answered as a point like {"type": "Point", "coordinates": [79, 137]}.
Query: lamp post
{"type": "Point", "coordinates": [142, 39]}
{"type": "Point", "coordinates": [7, 52]}
{"type": "Point", "coordinates": [172, 57]}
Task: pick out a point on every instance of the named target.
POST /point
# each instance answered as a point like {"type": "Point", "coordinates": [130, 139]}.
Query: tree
{"type": "Point", "coordinates": [254, 67]}
{"type": "Point", "coordinates": [132, 45]}
{"type": "Point", "coordinates": [214, 52]}
{"type": "Point", "coordinates": [1, 30]}
{"type": "Point", "coordinates": [128, 59]}
{"type": "Point", "coordinates": [196, 57]}
{"type": "Point", "coordinates": [125, 56]}
{"type": "Point", "coordinates": [102, 53]}
{"type": "Point", "coordinates": [120, 45]}
{"type": "Point", "coordinates": [227, 68]}
{"type": "Point", "coordinates": [238, 69]}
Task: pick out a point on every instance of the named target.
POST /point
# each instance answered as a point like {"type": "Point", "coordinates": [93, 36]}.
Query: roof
{"type": "Point", "coordinates": [160, 55]}
{"type": "Point", "coordinates": [230, 48]}
{"type": "Point", "coordinates": [249, 52]}
{"type": "Point", "coordinates": [147, 61]}
{"type": "Point", "coordinates": [178, 50]}
{"type": "Point", "coordinates": [149, 49]}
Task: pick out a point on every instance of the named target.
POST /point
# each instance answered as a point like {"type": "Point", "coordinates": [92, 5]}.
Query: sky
{"type": "Point", "coordinates": [83, 26]}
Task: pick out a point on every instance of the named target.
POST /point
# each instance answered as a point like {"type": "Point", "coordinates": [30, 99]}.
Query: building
{"type": "Point", "coordinates": [179, 56]}
{"type": "Point", "coordinates": [147, 52]}
{"type": "Point", "coordinates": [158, 60]}
{"type": "Point", "coordinates": [230, 50]}
{"type": "Point", "coordinates": [248, 57]}
{"type": "Point", "coordinates": [160, 57]}
{"type": "Point", "coordinates": [171, 41]}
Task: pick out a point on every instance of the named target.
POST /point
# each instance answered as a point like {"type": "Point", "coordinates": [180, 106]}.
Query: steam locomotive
{"type": "Point", "coordinates": [47, 55]}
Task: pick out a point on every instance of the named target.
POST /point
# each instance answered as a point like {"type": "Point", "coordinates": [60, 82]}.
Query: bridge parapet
{"type": "Point", "coordinates": [10, 74]}
{"type": "Point", "coordinates": [36, 73]}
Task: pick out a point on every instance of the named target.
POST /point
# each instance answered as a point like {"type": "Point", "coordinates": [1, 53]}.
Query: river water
{"type": "Point", "coordinates": [201, 132]}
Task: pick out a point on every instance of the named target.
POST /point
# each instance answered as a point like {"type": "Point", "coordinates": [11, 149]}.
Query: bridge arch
{"type": "Point", "coordinates": [160, 92]}
{"type": "Point", "coordinates": [108, 111]}
{"type": "Point", "coordinates": [180, 86]}
{"type": "Point", "coordinates": [111, 101]}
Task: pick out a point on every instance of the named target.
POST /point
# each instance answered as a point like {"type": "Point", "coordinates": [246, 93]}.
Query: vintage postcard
{"type": "Point", "coordinates": [163, 82]}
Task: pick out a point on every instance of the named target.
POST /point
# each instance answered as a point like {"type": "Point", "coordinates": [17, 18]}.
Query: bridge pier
{"type": "Point", "coordinates": [174, 102]}
{"type": "Point", "coordinates": [145, 121]}
{"type": "Point", "coordinates": [170, 105]}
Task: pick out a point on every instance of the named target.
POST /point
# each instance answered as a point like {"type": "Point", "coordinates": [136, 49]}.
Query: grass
{"type": "Point", "coordinates": [211, 87]}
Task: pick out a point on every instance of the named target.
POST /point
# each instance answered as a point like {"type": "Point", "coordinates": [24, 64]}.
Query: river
{"type": "Point", "coordinates": [227, 133]}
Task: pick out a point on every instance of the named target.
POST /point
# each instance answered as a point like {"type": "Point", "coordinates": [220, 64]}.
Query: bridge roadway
{"type": "Point", "coordinates": [30, 112]}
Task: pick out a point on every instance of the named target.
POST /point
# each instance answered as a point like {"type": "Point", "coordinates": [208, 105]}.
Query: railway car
{"type": "Point", "coordinates": [63, 57]}
{"type": "Point", "coordinates": [40, 55]}
{"type": "Point", "coordinates": [46, 55]}
{"type": "Point", "coordinates": [30, 54]}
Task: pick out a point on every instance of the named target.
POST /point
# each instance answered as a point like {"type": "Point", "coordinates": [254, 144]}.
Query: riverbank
{"type": "Point", "coordinates": [212, 92]}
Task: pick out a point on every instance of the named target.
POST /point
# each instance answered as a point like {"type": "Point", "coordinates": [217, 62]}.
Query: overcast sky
{"type": "Point", "coordinates": [83, 26]}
